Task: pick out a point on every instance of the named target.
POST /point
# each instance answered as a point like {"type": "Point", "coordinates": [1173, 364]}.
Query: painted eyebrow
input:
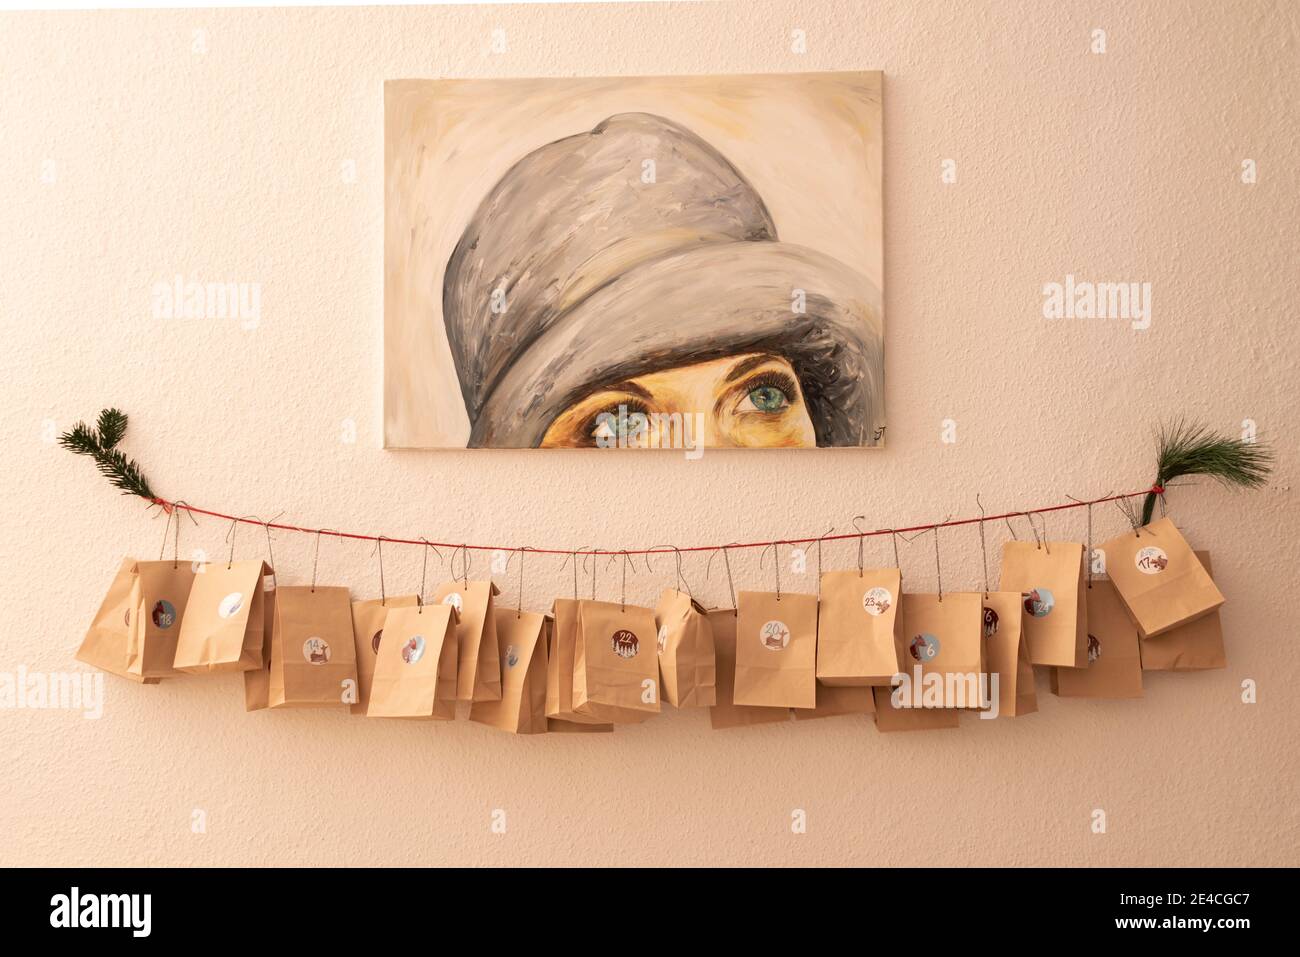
{"type": "Point", "coordinates": [746, 365]}
{"type": "Point", "coordinates": [631, 388]}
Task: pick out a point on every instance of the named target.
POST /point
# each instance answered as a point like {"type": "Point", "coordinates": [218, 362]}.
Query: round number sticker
{"type": "Point", "coordinates": [662, 638]}
{"type": "Point", "coordinates": [877, 601]}
{"type": "Point", "coordinates": [374, 642]}
{"type": "Point", "coordinates": [163, 614]}
{"type": "Point", "coordinates": [774, 636]}
{"type": "Point", "coordinates": [1151, 560]}
{"type": "Point", "coordinates": [455, 601]}
{"type": "Point", "coordinates": [1094, 648]}
{"type": "Point", "coordinates": [230, 605]}
{"type": "Point", "coordinates": [316, 651]}
{"type": "Point", "coordinates": [924, 647]}
{"type": "Point", "coordinates": [1039, 602]}
{"type": "Point", "coordinates": [512, 656]}
{"type": "Point", "coordinates": [413, 650]}
{"type": "Point", "coordinates": [990, 622]}
{"type": "Point", "coordinates": [624, 643]}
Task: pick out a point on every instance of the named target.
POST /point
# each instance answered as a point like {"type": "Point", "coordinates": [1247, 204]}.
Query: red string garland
{"type": "Point", "coordinates": [169, 506]}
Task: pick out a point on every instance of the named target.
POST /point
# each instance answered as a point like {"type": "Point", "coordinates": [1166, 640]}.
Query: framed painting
{"type": "Point", "coordinates": [634, 262]}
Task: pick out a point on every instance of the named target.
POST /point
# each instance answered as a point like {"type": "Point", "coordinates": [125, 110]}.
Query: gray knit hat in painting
{"type": "Point", "coordinates": [575, 273]}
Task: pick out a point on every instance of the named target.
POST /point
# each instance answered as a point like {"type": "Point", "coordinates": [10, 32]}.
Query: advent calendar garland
{"type": "Point", "coordinates": [859, 646]}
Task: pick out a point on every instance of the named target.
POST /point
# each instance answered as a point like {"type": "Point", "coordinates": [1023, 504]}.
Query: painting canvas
{"type": "Point", "coordinates": [634, 262]}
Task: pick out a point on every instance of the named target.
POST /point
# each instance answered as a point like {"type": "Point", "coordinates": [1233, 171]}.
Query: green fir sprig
{"type": "Point", "coordinates": [1192, 449]}
{"type": "Point", "coordinates": [100, 443]}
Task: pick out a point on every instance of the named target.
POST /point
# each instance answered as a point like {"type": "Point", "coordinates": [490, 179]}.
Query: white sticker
{"type": "Point", "coordinates": [662, 638]}
{"type": "Point", "coordinates": [455, 601]}
{"type": "Point", "coordinates": [1151, 560]}
{"type": "Point", "coordinates": [412, 651]}
{"type": "Point", "coordinates": [877, 601]}
{"type": "Point", "coordinates": [230, 605]}
{"type": "Point", "coordinates": [774, 636]}
{"type": "Point", "coordinates": [316, 651]}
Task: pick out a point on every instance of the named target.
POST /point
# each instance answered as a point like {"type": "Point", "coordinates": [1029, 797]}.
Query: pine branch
{"type": "Point", "coordinates": [81, 440]}
{"type": "Point", "coordinates": [1192, 449]}
{"type": "Point", "coordinates": [112, 426]}
{"type": "Point", "coordinates": [122, 472]}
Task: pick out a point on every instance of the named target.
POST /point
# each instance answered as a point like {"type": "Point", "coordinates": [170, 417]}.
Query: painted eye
{"type": "Point", "coordinates": [623, 425]}
{"type": "Point", "coordinates": [768, 398]}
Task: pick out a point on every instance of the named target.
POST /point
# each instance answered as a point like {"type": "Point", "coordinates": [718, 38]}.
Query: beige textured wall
{"type": "Point", "coordinates": [227, 165]}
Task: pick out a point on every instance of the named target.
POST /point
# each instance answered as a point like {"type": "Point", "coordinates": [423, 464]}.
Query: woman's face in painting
{"type": "Point", "coordinates": [751, 400]}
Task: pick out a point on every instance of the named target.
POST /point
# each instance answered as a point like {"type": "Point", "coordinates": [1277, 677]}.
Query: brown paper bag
{"type": "Point", "coordinates": [313, 659]}
{"type": "Point", "coordinates": [1006, 654]}
{"type": "Point", "coordinates": [521, 638]}
{"type": "Point", "coordinates": [1195, 646]}
{"type": "Point", "coordinates": [856, 644]}
{"type": "Point", "coordinates": [158, 597]}
{"type": "Point", "coordinates": [836, 701]}
{"type": "Point", "coordinates": [726, 713]}
{"type": "Point", "coordinates": [559, 676]}
{"type": "Point", "coordinates": [559, 667]}
{"type": "Point", "coordinates": [555, 675]}
{"type": "Point", "coordinates": [776, 650]}
{"type": "Point", "coordinates": [1114, 666]}
{"type": "Point", "coordinates": [615, 665]}
{"type": "Point", "coordinates": [367, 631]}
{"type": "Point", "coordinates": [224, 618]}
{"type": "Point", "coordinates": [415, 672]}
{"type": "Point", "coordinates": [476, 640]}
{"type": "Point", "coordinates": [257, 683]}
{"type": "Point", "coordinates": [1049, 577]}
{"type": "Point", "coordinates": [890, 718]}
{"type": "Point", "coordinates": [685, 644]}
{"type": "Point", "coordinates": [1161, 581]}
{"type": "Point", "coordinates": [107, 641]}
{"type": "Point", "coordinates": [942, 640]}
